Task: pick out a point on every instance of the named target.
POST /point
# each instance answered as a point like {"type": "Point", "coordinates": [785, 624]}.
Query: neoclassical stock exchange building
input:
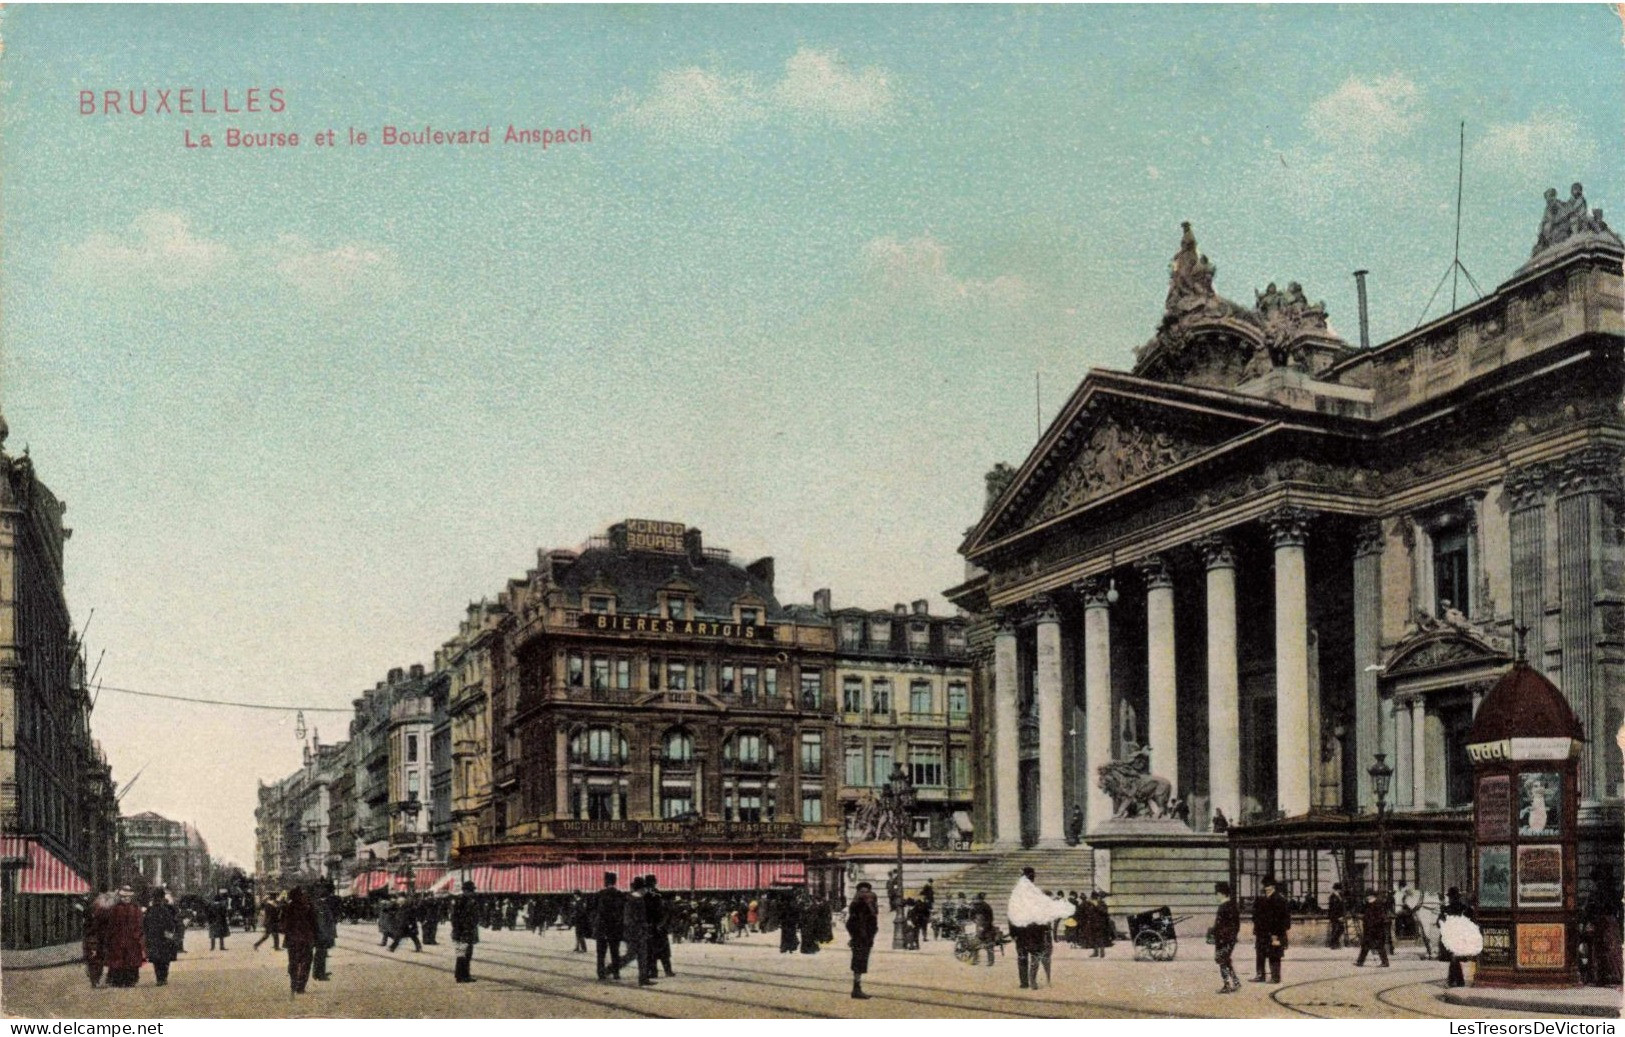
{"type": "Point", "coordinates": [1264, 556]}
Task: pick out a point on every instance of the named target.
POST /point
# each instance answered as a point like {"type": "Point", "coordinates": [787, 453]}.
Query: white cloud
{"type": "Point", "coordinates": [1365, 113]}
{"type": "Point", "coordinates": [710, 105]}
{"type": "Point", "coordinates": [1548, 139]}
{"type": "Point", "coordinates": [817, 82]}
{"type": "Point", "coordinates": [333, 272]}
{"type": "Point", "coordinates": [1355, 133]}
{"type": "Point", "coordinates": [159, 250]}
{"type": "Point", "coordinates": [917, 270]}
{"type": "Point", "coordinates": [694, 102]}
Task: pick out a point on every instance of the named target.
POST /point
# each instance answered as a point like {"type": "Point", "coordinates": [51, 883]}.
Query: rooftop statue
{"type": "Point", "coordinates": [1570, 217]}
{"type": "Point", "coordinates": [1190, 276]}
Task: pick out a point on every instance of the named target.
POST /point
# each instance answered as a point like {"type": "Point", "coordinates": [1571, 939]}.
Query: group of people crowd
{"type": "Point", "coordinates": [638, 926]}
{"type": "Point", "coordinates": [120, 935]}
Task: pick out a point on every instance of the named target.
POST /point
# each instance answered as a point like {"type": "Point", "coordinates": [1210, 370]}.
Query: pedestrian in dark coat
{"type": "Point", "coordinates": [465, 932]}
{"type": "Point", "coordinates": [1373, 929]}
{"type": "Point", "coordinates": [299, 938]}
{"type": "Point", "coordinates": [581, 919]}
{"type": "Point", "coordinates": [1335, 911]}
{"type": "Point", "coordinates": [326, 906]}
{"type": "Point", "coordinates": [787, 924]}
{"type": "Point", "coordinates": [807, 911]}
{"type": "Point", "coordinates": [271, 920]}
{"type": "Point", "coordinates": [609, 911]}
{"type": "Point", "coordinates": [429, 919]}
{"type": "Point", "coordinates": [123, 940]}
{"type": "Point", "coordinates": [164, 933]}
{"type": "Point", "coordinates": [1272, 917]}
{"type": "Point", "coordinates": [93, 943]}
{"type": "Point", "coordinates": [635, 930]}
{"type": "Point", "coordinates": [659, 927]}
{"type": "Point", "coordinates": [219, 920]}
{"type": "Point", "coordinates": [406, 925]}
{"type": "Point", "coordinates": [862, 924]}
{"type": "Point", "coordinates": [981, 916]}
{"type": "Point", "coordinates": [1226, 931]}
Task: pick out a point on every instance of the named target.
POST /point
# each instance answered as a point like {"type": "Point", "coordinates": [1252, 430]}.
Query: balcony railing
{"type": "Point", "coordinates": [929, 719]}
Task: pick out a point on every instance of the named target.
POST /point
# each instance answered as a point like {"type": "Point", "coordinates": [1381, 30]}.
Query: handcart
{"type": "Point", "coordinates": [1152, 933]}
{"type": "Point", "coordinates": [969, 946]}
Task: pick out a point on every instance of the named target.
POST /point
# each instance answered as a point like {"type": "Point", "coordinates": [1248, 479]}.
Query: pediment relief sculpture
{"type": "Point", "coordinates": [1117, 452]}
{"type": "Point", "coordinates": [1431, 643]}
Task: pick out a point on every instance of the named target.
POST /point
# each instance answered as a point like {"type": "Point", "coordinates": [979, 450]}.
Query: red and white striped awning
{"type": "Point", "coordinates": [529, 879]}
{"type": "Point", "coordinates": [42, 872]}
{"type": "Point", "coordinates": [422, 880]}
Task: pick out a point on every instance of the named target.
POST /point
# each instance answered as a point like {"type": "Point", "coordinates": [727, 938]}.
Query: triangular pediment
{"type": "Point", "coordinates": [1117, 434]}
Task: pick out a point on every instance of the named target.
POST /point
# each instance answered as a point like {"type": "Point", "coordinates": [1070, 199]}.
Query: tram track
{"type": "Point", "coordinates": [488, 955]}
{"type": "Point", "coordinates": [880, 990]}
{"type": "Point", "coordinates": [1303, 1008]}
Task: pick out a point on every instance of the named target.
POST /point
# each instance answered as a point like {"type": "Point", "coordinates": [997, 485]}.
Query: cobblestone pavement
{"type": "Point", "coordinates": [524, 975]}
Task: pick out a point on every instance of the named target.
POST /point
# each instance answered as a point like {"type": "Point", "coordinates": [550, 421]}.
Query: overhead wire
{"type": "Point", "coordinates": [225, 702]}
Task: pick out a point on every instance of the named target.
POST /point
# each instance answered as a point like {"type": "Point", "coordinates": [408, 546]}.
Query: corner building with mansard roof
{"type": "Point", "coordinates": [650, 707]}
{"type": "Point", "coordinates": [1265, 555]}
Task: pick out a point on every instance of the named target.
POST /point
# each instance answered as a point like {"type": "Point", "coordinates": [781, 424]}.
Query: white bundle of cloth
{"type": "Point", "coordinates": [1029, 906]}
{"type": "Point", "coordinates": [1461, 936]}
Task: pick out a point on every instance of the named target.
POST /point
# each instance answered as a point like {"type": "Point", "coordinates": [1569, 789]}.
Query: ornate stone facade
{"type": "Point", "coordinates": [1287, 555]}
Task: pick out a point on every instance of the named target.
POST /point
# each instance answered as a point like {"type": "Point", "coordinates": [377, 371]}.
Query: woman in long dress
{"type": "Point", "coordinates": [123, 941]}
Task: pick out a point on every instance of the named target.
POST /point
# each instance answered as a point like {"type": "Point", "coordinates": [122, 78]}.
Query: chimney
{"type": "Point", "coordinates": [1365, 316]}
{"type": "Point", "coordinates": [395, 675]}
{"type": "Point", "coordinates": [900, 609]}
{"type": "Point", "coordinates": [617, 538]}
{"type": "Point", "coordinates": [821, 601]}
{"type": "Point", "coordinates": [922, 607]}
{"type": "Point", "coordinates": [417, 671]}
{"type": "Point", "coordinates": [694, 546]}
{"type": "Point", "coordinates": [762, 569]}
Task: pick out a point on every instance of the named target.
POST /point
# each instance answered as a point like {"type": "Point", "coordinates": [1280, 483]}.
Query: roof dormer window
{"type": "Point", "coordinates": [600, 604]}
{"type": "Point", "coordinates": [677, 607]}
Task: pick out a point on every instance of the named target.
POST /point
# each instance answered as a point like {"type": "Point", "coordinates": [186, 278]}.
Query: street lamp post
{"type": "Point", "coordinates": [1381, 774]}
{"type": "Point", "coordinates": [900, 795]}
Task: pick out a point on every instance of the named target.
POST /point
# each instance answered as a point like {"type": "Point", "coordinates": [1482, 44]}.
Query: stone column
{"type": "Point", "coordinates": [1589, 499]}
{"type": "Point", "coordinates": [1097, 692]}
{"type": "Point", "coordinates": [1289, 530]}
{"type": "Point", "coordinates": [1527, 491]}
{"type": "Point", "coordinates": [1162, 719]}
{"type": "Point", "coordinates": [1419, 754]}
{"type": "Point", "coordinates": [1367, 650]}
{"type": "Point", "coordinates": [1006, 735]}
{"type": "Point", "coordinates": [1051, 728]}
{"type": "Point", "coordinates": [1402, 782]}
{"type": "Point", "coordinates": [561, 776]}
{"type": "Point", "coordinates": [1223, 683]}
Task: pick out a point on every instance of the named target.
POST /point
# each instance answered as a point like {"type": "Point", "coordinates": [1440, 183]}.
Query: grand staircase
{"type": "Point", "coordinates": [1068, 868]}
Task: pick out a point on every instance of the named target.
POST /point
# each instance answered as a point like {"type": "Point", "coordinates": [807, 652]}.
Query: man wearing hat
{"type": "Point", "coordinates": [1373, 928]}
{"type": "Point", "coordinates": [1335, 912]}
{"type": "Point", "coordinates": [862, 923]}
{"type": "Point", "coordinates": [609, 909]}
{"type": "Point", "coordinates": [1226, 931]}
{"type": "Point", "coordinates": [1272, 917]}
{"type": "Point", "coordinates": [981, 916]}
{"type": "Point", "coordinates": [465, 932]}
{"type": "Point", "coordinates": [659, 937]}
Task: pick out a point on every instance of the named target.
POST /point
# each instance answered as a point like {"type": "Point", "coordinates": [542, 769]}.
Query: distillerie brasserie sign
{"type": "Point", "coordinates": [704, 628]}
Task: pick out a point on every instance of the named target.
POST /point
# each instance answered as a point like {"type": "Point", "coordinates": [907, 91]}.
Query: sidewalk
{"type": "Point", "coordinates": [42, 957]}
{"type": "Point", "coordinates": [1594, 1001]}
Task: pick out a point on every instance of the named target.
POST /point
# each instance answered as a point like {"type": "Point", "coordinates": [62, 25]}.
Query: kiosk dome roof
{"type": "Point", "coordinates": [1524, 704]}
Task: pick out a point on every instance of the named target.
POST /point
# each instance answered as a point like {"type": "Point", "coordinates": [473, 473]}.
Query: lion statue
{"type": "Point", "coordinates": [1135, 791]}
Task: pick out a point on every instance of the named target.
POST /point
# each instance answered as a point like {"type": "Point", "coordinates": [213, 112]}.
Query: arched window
{"type": "Point", "coordinates": [678, 748]}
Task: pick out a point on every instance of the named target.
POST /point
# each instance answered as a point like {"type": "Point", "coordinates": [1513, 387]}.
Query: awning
{"type": "Point", "coordinates": [422, 880]}
{"type": "Point", "coordinates": [530, 879]}
{"type": "Point", "coordinates": [42, 873]}
{"type": "Point", "coordinates": [962, 822]}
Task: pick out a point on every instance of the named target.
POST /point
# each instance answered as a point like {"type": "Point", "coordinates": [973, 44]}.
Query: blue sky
{"type": "Point", "coordinates": [305, 404]}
